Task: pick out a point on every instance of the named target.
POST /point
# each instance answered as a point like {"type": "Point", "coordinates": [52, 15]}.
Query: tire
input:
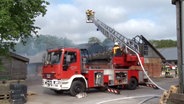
{"type": "Point", "coordinates": [17, 101]}
{"type": "Point", "coordinates": [132, 84]}
{"type": "Point", "coordinates": [18, 88]}
{"type": "Point", "coordinates": [77, 87]}
{"type": "Point", "coordinates": [15, 86]}
{"type": "Point", "coordinates": [16, 92]}
{"type": "Point", "coordinates": [18, 97]}
{"type": "Point", "coordinates": [13, 97]}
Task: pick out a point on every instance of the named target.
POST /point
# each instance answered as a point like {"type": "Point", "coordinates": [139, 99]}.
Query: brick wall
{"type": "Point", "coordinates": [153, 66]}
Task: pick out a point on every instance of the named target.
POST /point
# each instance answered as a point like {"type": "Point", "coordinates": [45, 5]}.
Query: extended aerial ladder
{"type": "Point", "coordinates": [131, 44]}
{"type": "Point", "coordinates": [111, 33]}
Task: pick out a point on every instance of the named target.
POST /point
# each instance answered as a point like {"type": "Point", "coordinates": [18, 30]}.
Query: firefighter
{"type": "Point", "coordinates": [176, 71]}
{"type": "Point", "coordinates": [90, 15]}
{"type": "Point", "coordinates": [116, 49]}
{"type": "Point", "coordinates": [167, 70]}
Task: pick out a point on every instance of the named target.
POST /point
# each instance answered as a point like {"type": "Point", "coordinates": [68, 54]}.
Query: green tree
{"type": "Point", "coordinates": [17, 19]}
{"type": "Point", "coordinates": [108, 42]}
{"type": "Point", "coordinates": [163, 43]}
{"type": "Point", "coordinates": [94, 40]}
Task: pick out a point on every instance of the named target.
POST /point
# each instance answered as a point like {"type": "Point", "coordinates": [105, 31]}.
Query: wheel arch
{"type": "Point", "coordinates": [80, 78]}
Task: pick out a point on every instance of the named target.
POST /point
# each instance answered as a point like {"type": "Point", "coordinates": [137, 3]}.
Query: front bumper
{"type": "Point", "coordinates": [56, 84]}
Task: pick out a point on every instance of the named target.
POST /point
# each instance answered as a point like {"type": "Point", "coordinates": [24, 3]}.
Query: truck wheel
{"type": "Point", "coordinates": [76, 88]}
{"type": "Point", "coordinates": [132, 84]}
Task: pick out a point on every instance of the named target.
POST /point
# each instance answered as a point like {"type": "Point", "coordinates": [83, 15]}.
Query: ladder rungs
{"type": "Point", "coordinates": [115, 36]}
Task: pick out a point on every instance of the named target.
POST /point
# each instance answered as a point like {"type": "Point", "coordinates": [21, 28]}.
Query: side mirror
{"type": "Point", "coordinates": [84, 60]}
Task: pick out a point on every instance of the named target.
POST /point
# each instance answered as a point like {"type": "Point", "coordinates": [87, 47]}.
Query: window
{"type": "Point", "coordinates": [71, 57]}
{"type": "Point", "coordinates": [145, 49]}
{"type": "Point", "coordinates": [54, 57]}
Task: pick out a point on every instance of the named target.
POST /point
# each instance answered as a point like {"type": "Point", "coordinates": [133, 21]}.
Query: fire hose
{"type": "Point", "coordinates": [150, 96]}
{"type": "Point", "coordinates": [145, 70]}
{"type": "Point", "coordinates": [132, 97]}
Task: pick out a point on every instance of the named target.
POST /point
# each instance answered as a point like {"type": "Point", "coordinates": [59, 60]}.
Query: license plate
{"type": "Point", "coordinates": [49, 83]}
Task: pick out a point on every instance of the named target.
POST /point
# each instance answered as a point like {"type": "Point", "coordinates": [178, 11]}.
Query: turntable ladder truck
{"type": "Point", "coordinates": [69, 69]}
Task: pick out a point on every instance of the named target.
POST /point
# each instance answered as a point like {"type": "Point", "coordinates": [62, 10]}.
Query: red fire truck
{"type": "Point", "coordinates": [74, 70]}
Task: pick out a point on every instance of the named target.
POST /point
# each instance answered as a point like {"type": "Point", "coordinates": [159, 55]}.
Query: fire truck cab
{"type": "Point", "coordinates": [62, 68]}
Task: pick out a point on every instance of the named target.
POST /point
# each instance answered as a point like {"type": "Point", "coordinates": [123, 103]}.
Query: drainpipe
{"type": "Point", "coordinates": [180, 40]}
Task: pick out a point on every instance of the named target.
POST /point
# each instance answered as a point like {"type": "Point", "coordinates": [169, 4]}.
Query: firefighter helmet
{"type": "Point", "coordinates": [116, 43]}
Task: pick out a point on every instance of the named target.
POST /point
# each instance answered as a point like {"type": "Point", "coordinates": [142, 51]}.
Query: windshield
{"type": "Point", "coordinates": [54, 57]}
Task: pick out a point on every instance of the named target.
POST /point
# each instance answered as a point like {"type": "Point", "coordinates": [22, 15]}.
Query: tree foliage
{"type": "Point", "coordinates": [163, 43]}
{"type": "Point", "coordinates": [94, 40]}
{"type": "Point", "coordinates": [42, 43]}
{"type": "Point", "coordinates": [107, 42]}
{"type": "Point", "coordinates": [17, 19]}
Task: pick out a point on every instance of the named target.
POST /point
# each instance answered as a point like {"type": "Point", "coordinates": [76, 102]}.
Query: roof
{"type": "Point", "coordinates": [151, 46]}
{"type": "Point", "coordinates": [169, 53]}
{"type": "Point", "coordinates": [37, 58]}
{"type": "Point", "coordinates": [22, 58]}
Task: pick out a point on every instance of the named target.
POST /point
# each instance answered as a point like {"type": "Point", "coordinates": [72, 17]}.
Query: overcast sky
{"type": "Point", "coordinates": [154, 19]}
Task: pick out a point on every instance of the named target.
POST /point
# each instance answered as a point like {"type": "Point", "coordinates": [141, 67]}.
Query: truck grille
{"type": "Point", "coordinates": [49, 75]}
